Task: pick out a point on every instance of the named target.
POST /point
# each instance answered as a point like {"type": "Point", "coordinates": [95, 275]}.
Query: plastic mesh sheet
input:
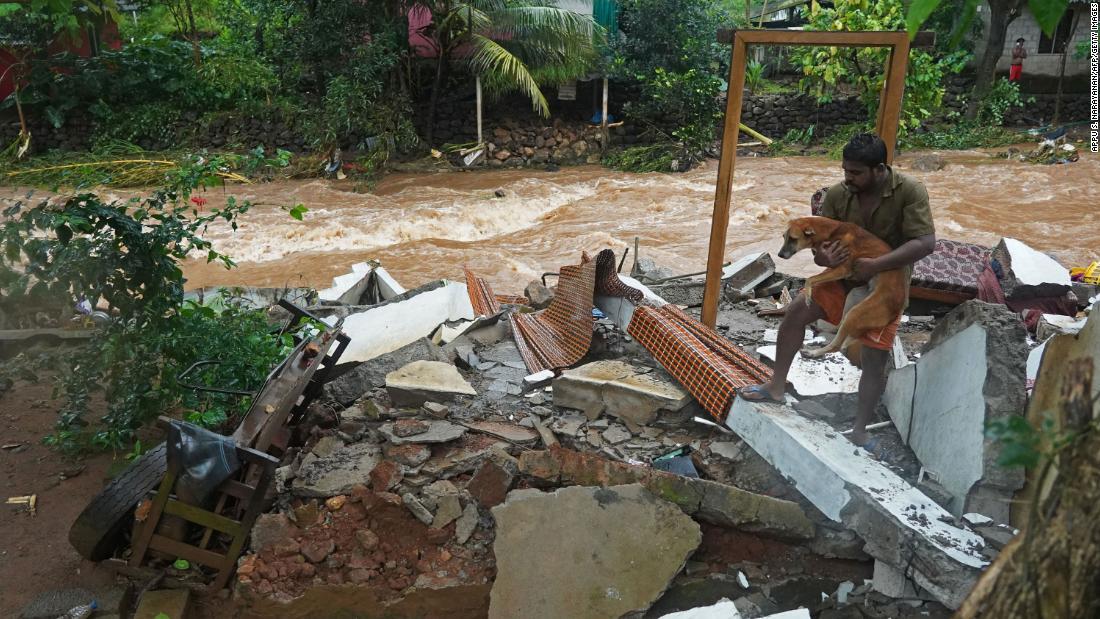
{"type": "Point", "coordinates": [708, 365]}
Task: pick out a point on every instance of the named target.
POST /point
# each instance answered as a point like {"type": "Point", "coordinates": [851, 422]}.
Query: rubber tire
{"type": "Point", "coordinates": [99, 529]}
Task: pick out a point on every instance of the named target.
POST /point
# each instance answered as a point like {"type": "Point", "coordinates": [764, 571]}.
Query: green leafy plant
{"type": "Point", "coordinates": [962, 135]}
{"type": "Point", "coordinates": [828, 69]}
{"type": "Point", "coordinates": [1003, 96]}
{"type": "Point", "coordinates": [128, 254]}
{"type": "Point", "coordinates": [754, 75]}
{"type": "Point", "coordinates": [679, 111]}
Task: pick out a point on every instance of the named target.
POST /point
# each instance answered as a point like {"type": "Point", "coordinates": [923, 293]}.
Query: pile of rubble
{"type": "Point", "coordinates": [442, 475]}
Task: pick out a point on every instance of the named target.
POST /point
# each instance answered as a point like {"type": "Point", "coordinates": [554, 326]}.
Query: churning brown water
{"type": "Point", "coordinates": [426, 226]}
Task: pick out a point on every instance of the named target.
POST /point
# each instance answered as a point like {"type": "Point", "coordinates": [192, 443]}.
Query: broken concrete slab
{"type": "Point", "coordinates": [628, 392]}
{"type": "Point", "coordinates": [1028, 273]}
{"type": "Point", "coordinates": [538, 296]}
{"type": "Point", "coordinates": [510, 432]}
{"type": "Point", "coordinates": [619, 547]}
{"type": "Point", "coordinates": [351, 385]}
{"type": "Point", "coordinates": [706, 500]}
{"type": "Point", "coordinates": [620, 309]}
{"type": "Point", "coordinates": [741, 278]}
{"type": "Point", "coordinates": [900, 525]}
{"type": "Point", "coordinates": [389, 326]}
{"type": "Point", "coordinates": [426, 381]}
{"type": "Point", "coordinates": [338, 472]}
{"type": "Point", "coordinates": [723, 609]}
{"type": "Point", "coordinates": [1054, 324]}
{"type": "Point", "coordinates": [814, 377]}
{"type": "Point", "coordinates": [349, 287]}
{"type": "Point", "coordinates": [466, 523]}
{"type": "Point", "coordinates": [972, 372]}
{"type": "Point", "coordinates": [250, 297]}
{"type": "Point", "coordinates": [438, 431]}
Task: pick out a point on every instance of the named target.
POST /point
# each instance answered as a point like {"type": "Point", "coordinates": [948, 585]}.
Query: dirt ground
{"type": "Point", "coordinates": [35, 555]}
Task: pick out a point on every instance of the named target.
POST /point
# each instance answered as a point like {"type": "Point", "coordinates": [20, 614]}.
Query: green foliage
{"type": "Point", "coordinates": [1023, 444]}
{"type": "Point", "coordinates": [660, 157]}
{"type": "Point", "coordinates": [800, 136]}
{"type": "Point", "coordinates": [754, 75]}
{"type": "Point", "coordinates": [46, 19]}
{"type": "Point", "coordinates": [143, 87]}
{"type": "Point", "coordinates": [515, 45]}
{"type": "Point", "coordinates": [960, 136]}
{"type": "Point", "coordinates": [862, 69]}
{"type": "Point", "coordinates": [1003, 96]}
{"type": "Point", "coordinates": [674, 35]}
{"type": "Point", "coordinates": [1047, 13]}
{"type": "Point", "coordinates": [356, 105]}
{"type": "Point", "coordinates": [681, 109]}
{"type": "Point", "coordinates": [128, 254]}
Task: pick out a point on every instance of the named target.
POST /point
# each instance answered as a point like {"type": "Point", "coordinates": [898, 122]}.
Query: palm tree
{"type": "Point", "coordinates": [511, 45]}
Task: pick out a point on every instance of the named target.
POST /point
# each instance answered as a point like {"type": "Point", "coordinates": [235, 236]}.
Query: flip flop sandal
{"type": "Point", "coordinates": [757, 393]}
{"type": "Point", "coordinates": [874, 447]}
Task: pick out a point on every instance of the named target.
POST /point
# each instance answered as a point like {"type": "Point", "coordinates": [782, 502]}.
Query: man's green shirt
{"type": "Point", "coordinates": [903, 215]}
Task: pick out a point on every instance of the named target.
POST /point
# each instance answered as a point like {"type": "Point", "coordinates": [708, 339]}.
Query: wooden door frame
{"type": "Point", "coordinates": [889, 112]}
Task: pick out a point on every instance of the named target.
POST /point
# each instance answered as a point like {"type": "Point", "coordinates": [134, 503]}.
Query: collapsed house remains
{"type": "Point", "coordinates": [465, 455]}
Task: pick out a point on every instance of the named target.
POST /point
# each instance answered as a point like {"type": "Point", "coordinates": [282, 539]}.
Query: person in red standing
{"type": "Point", "coordinates": [1016, 69]}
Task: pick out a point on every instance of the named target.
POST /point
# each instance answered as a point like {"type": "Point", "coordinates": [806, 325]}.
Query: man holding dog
{"type": "Point", "coordinates": [893, 207]}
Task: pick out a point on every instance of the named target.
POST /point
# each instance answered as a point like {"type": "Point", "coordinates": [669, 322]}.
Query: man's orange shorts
{"type": "Point", "coordinates": [831, 297]}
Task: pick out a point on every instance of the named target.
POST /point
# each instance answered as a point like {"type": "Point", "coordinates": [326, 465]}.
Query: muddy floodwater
{"type": "Point", "coordinates": [426, 226]}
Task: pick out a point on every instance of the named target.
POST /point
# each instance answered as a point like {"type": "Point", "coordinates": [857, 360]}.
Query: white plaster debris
{"type": "Point", "coordinates": [349, 287]}
{"type": "Point", "coordinates": [386, 328]}
{"type": "Point", "coordinates": [742, 579]}
{"type": "Point", "coordinates": [977, 519]}
{"type": "Point", "coordinates": [810, 377]}
{"type": "Point", "coordinates": [1033, 267]}
{"type": "Point", "coordinates": [620, 310]}
{"type": "Point", "coordinates": [1034, 359]}
{"type": "Point", "coordinates": [757, 267]}
{"type": "Point", "coordinates": [843, 590]}
{"type": "Point", "coordinates": [827, 469]}
{"type": "Point", "coordinates": [771, 336]}
{"type": "Point", "coordinates": [798, 613]}
{"type": "Point", "coordinates": [1053, 324]}
{"type": "Point", "coordinates": [538, 377]}
{"type": "Point", "coordinates": [722, 609]}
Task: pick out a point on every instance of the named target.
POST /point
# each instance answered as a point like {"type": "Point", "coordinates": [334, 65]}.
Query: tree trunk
{"type": "Point", "coordinates": [194, 30]}
{"type": "Point", "coordinates": [437, 85]}
{"type": "Point", "coordinates": [1062, 68]}
{"type": "Point", "coordinates": [1001, 14]}
{"type": "Point", "coordinates": [1049, 570]}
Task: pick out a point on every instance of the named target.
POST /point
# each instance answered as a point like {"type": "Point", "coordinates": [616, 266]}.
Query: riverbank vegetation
{"type": "Point", "coordinates": [370, 79]}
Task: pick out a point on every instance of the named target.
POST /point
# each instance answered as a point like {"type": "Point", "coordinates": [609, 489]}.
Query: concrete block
{"type": "Point", "coordinates": [1029, 273]}
{"type": "Point", "coordinates": [349, 287]}
{"type": "Point", "coordinates": [900, 525]}
{"type": "Point", "coordinates": [351, 385]}
{"type": "Point", "coordinates": [426, 381]}
{"type": "Point", "coordinates": [337, 473]}
{"type": "Point", "coordinates": [1054, 324]}
{"type": "Point", "coordinates": [891, 582]}
{"type": "Point", "coordinates": [625, 391]}
{"type": "Point", "coordinates": [389, 326]}
{"type": "Point", "coordinates": [705, 500]}
{"type": "Point", "coordinates": [746, 273]}
{"type": "Point", "coordinates": [621, 544]}
{"type": "Point", "coordinates": [972, 371]}
{"type": "Point", "coordinates": [621, 310]}
{"type": "Point", "coordinates": [832, 373]}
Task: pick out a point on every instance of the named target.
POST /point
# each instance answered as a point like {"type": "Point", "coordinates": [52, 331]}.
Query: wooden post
{"type": "Point", "coordinates": [477, 82]}
{"type": "Point", "coordinates": [889, 105]}
{"type": "Point", "coordinates": [887, 123]}
{"type": "Point", "coordinates": [722, 194]}
{"type": "Point", "coordinates": [603, 118]}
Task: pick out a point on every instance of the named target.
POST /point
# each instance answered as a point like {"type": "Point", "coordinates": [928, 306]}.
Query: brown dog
{"type": "Point", "coordinates": [887, 297]}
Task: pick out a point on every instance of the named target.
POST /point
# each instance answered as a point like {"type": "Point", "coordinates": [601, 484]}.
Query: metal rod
{"type": "Point", "coordinates": [873, 426]}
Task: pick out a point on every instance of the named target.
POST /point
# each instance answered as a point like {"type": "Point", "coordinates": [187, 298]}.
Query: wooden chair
{"type": "Point", "coordinates": [239, 503]}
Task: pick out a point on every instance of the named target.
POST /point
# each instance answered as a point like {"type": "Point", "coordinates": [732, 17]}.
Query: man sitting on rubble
{"type": "Point", "coordinates": [893, 207]}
